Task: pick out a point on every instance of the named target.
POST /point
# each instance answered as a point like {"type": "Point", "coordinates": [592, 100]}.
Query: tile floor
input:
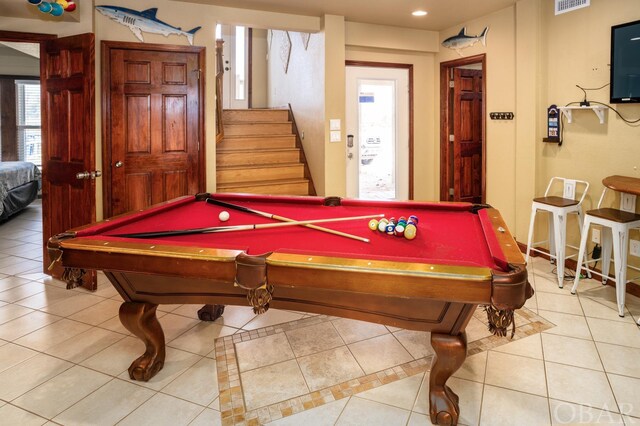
{"type": "Point", "coordinates": [64, 355]}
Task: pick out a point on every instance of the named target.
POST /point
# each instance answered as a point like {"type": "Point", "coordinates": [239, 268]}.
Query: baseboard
{"type": "Point", "coordinates": [570, 264]}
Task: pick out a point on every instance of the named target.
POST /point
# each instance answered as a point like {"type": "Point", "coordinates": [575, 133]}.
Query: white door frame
{"type": "Point", "coordinates": [229, 62]}
{"type": "Point", "coordinates": [404, 157]}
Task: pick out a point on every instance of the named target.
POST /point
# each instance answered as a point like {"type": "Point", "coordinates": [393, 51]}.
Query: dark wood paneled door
{"type": "Point", "coordinates": [67, 69]}
{"type": "Point", "coordinates": [462, 129]}
{"type": "Point", "coordinates": [467, 135]}
{"type": "Point", "coordinates": [154, 118]}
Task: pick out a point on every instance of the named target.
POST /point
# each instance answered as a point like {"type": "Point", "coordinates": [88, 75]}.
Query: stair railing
{"type": "Point", "coordinates": [303, 158]}
{"type": "Point", "coordinates": [219, 83]}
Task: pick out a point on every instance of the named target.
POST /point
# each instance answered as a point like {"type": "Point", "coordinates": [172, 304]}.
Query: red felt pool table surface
{"type": "Point", "coordinates": [448, 234]}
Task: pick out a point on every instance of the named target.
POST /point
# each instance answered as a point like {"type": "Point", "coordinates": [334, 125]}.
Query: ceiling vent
{"type": "Point", "coordinates": [563, 6]}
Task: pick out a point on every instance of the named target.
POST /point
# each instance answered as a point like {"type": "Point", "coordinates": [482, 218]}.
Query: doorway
{"type": "Point", "coordinates": [153, 124]}
{"type": "Point", "coordinates": [68, 133]}
{"type": "Point", "coordinates": [379, 131]}
{"type": "Point", "coordinates": [462, 130]}
{"type": "Point", "coordinates": [235, 52]}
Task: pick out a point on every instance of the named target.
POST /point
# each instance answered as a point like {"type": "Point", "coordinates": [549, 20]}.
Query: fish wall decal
{"type": "Point", "coordinates": [462, 40]}
{"type": "Point", "coordinates": [145, 21]}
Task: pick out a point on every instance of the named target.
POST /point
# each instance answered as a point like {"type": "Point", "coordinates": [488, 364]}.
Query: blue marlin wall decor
{"type": "Point", "coordinates": [462, 40]}
{"type": "Point", "coordinates": [144, 21]}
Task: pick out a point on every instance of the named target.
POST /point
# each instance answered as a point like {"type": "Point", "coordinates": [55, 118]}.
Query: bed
{"type": "Point", "coordinates": [19, 183]}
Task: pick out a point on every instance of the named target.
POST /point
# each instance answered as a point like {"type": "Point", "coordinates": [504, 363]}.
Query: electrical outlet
{"type": "Point", "coordinates": [569, 189]}
{"type": "Point", "coordinates": [634, 248]}
{"type": "Point", "coordinates": [595, 236]}
{"type": "Point", "coordinates": [628, 202]}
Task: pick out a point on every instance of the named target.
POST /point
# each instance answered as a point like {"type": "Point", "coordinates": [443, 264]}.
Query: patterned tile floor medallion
{"type": "Point", "coordinates": [322, 364]}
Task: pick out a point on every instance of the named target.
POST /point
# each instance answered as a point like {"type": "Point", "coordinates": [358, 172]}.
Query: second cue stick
{"type": "Point", "coordinates": [215, 229]}
{"type": "Point", "coordinates": [283, 219]}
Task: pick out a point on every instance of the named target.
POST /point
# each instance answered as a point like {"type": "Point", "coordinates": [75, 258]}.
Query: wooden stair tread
{"type": "Point", "coordinates": [229, 150]}
{"type": "Point", "coordinates": [264, 182]}
{"type": "Point", "coordinates": [260, 166]}
{"type": "Point", "coordinates": [254, 136]}
{"type": "Point", "coordinates": [249, 123]}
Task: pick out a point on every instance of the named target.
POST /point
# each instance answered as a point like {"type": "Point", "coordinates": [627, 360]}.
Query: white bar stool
{"type": "Point", "coordinates": [559, 208]}
{"type": "Point", "coordinates": [616, 224]}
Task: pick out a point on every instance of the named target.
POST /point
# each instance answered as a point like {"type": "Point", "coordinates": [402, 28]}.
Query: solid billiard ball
{"type": "Point", "coordinates": [410, 232]}
{"type": "Point", "coordinates": [373, 224]}
{"type": "Point", "coordinates": [223, 216]}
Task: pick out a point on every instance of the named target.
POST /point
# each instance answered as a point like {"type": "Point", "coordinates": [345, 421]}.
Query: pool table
{"type": "Point", "coordinates": [463, 256]}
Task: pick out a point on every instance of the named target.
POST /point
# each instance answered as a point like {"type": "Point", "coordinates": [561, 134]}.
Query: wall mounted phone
{"type": "Point", "coordinates": [553, 125]}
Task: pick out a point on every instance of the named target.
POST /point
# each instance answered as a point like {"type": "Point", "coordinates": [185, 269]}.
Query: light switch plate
{"type": "Point", "coordinates": [335, 136]}
{"type": "Point", "coordinates": [334, 124]}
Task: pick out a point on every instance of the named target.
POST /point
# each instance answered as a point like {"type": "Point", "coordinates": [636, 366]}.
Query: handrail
{"type": "Point", "coordinates": [307, 171]}
{"type": "Point", "coordinates": [219, 79]}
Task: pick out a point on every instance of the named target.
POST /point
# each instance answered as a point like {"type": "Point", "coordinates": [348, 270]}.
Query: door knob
{"type": "Point", "coordinates": [88, 175]}
{"type": "Point", "coordinates": [119, 164]}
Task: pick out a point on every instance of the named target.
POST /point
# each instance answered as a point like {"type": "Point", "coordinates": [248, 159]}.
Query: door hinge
{"type": "Point", "coordinates": [451, 192]}
{"type": "Point", "coordinates": [198, 72]}
{"type": "Point", "coordinates": [451, 84]}
{"type": "Point", "coordinates": [452, 138]}
{"type": "Point", "coordinates": [198, 145]}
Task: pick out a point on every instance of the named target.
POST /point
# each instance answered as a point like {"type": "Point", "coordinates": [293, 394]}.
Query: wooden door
{"type": "Point", "coordinates": [68, 137]}
{"type": "Point", "coordinates": [467, 135]}
{"type": "Point", "coordinates": [154, 119]}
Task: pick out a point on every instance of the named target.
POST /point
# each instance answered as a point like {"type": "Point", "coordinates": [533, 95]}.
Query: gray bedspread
{"type": "Point", "coordinates": [14, 174]}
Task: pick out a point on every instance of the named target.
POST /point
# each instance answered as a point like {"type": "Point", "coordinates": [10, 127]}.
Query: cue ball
{"type": "Point", "coordinates": [223, 216]}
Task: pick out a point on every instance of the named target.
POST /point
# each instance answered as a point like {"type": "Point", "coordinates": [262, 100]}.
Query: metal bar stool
{"type": "Point", "coordinates": [616, 224]}
{"type": "Point", "coordinates": [559, 208]}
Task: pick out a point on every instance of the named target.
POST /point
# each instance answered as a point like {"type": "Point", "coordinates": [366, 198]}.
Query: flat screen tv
{"type": "Point", "coordinates": [625, 63]}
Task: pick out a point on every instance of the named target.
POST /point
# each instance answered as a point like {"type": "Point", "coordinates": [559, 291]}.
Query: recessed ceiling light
{"type": "Point", "coordinates": [419, 13]}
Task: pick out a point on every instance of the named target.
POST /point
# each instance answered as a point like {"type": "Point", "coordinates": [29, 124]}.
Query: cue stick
{"type": "Point", "coordinates": [240, 227]}
{"type": "Point", "coordinates": [283, 219]}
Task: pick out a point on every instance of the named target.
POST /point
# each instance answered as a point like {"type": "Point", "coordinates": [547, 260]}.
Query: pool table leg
{"type": "Point", "coordinates": [210, 312]}
{"type": "Point", "coordinates": [450, 353]}
{"type": "Point", "coordinates": [141, 320]}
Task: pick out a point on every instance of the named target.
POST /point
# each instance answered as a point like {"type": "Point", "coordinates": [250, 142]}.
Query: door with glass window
{"type": "Point", "coordinates": [235, 61]}
{"type": "Point", "coordinates": [378, 133]}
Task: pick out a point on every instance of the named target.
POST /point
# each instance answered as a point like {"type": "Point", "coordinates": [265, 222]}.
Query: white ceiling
{"type": "Point", "coordinates": [442, 14]}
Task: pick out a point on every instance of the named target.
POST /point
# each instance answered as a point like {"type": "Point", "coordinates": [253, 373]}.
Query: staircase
{"type": "Point", "coordinates": [260, 154]}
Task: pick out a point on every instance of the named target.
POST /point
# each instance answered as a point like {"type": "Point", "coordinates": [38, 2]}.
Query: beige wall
{"type": "Point", "coordinates": [302, 86]}
{"type": "Point", "coordinates": [335, 166]}
{"type": "Point", "coordinates": [501, 96]}
{"type": "Point", "coordinates": [259, 70]}
{"type": "Point", "coordinates": [426, 148]}
{"type": "Point", "coordinates": [13, 62]}
{"type": "Point", "coordinates": [577, 51]}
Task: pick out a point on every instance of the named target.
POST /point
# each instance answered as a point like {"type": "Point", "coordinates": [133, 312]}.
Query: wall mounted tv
{"type": "Point", "coordinates": [625, 63]}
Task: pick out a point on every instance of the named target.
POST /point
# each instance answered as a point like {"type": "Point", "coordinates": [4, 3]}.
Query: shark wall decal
{"type": "Point", "coordinates": [462, 40]}
{"type": "Point", "coordinates": [145, 21]}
